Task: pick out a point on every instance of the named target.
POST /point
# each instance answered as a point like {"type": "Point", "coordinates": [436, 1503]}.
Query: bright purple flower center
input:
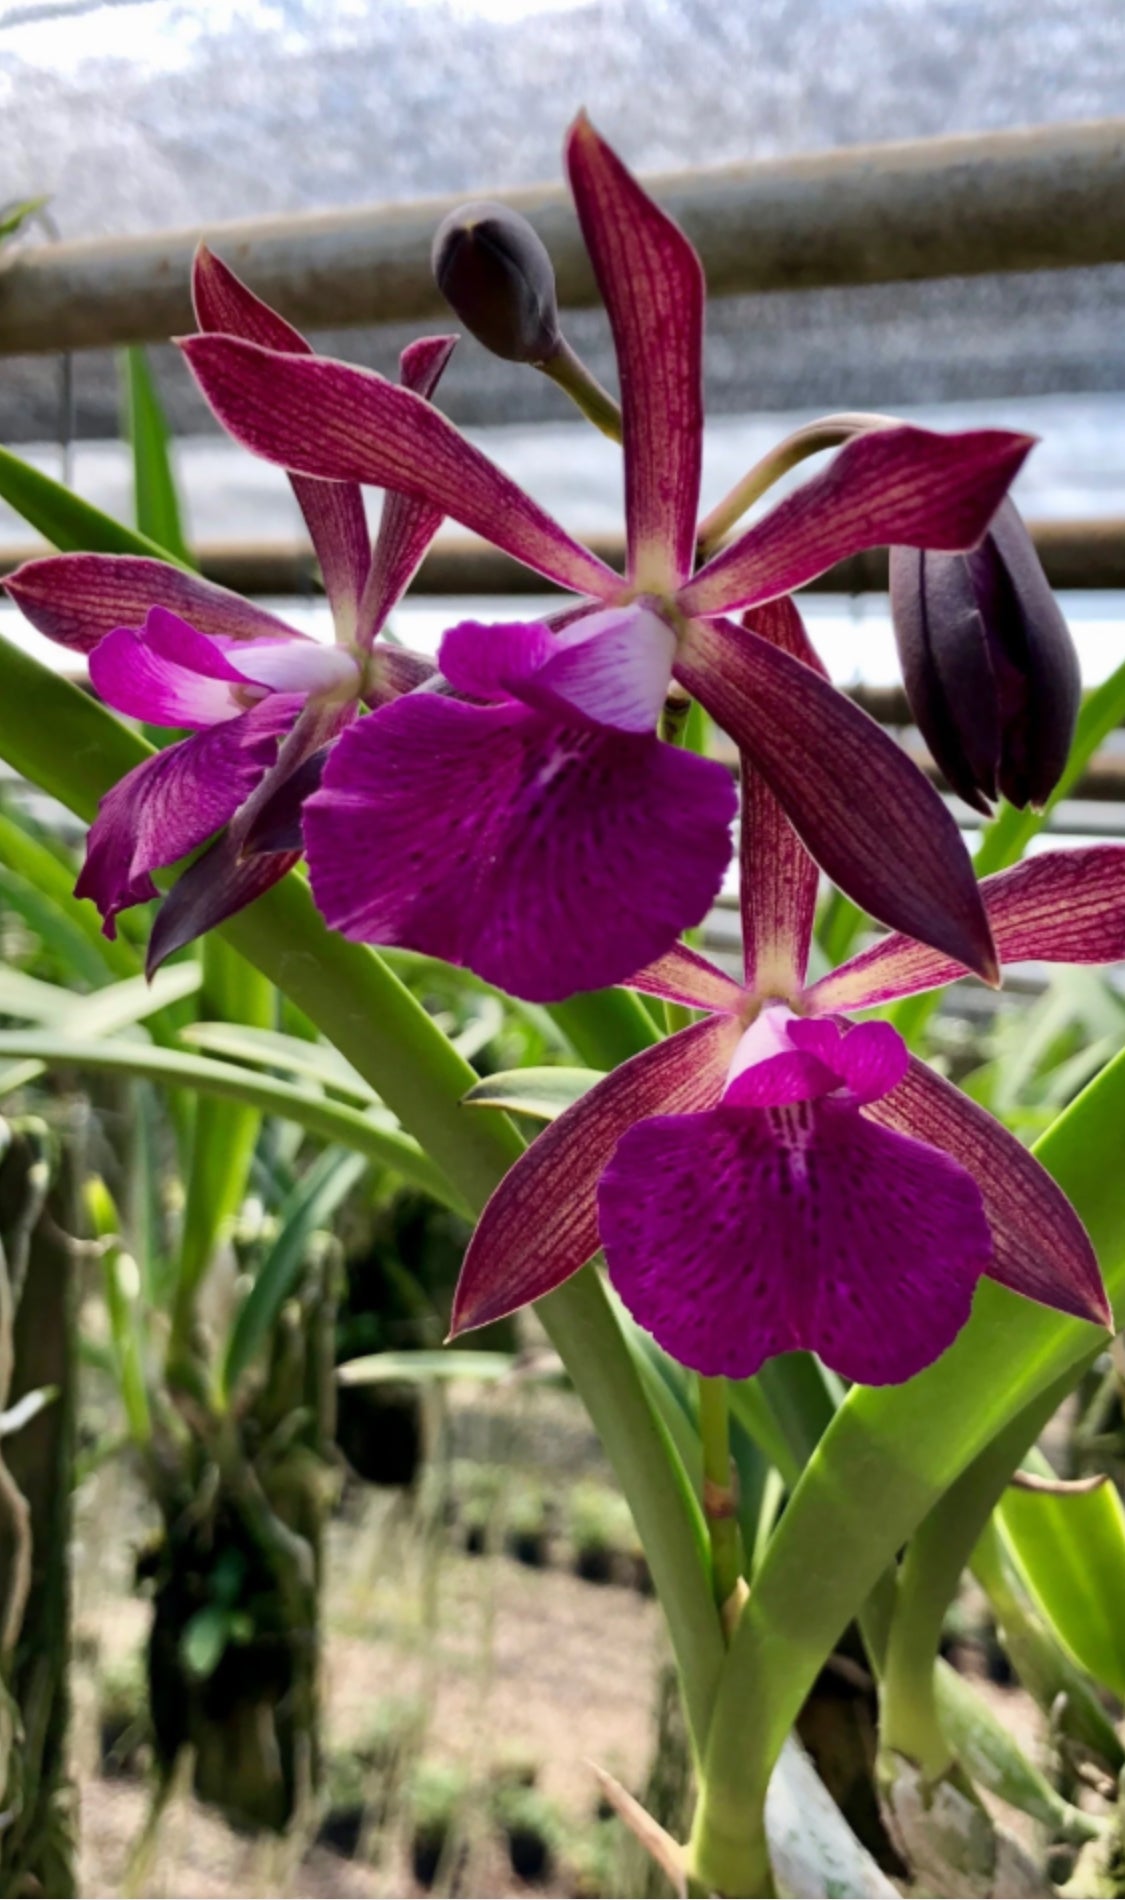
{"type": "Point", "coordinates": [786, 1058]}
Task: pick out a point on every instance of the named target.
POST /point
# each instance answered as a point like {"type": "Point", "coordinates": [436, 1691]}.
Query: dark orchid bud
{"type": "Point", "coordinates": [990, 668]}
{"type": "Point", "coordinates": [493, 270]}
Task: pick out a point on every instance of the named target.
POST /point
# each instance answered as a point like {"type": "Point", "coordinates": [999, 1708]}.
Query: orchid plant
{"type": "Point", "coordinates": [789, 1202]}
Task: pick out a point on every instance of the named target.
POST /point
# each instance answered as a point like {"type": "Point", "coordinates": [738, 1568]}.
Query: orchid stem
{"type": "Point", "coordinates": [597, 405]}
{"type": "Point", "coordinates": [720, 1495]}
{"type": "Point", "coordinates": [826, 433]}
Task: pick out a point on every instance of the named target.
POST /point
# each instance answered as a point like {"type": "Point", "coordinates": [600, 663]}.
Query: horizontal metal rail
{"type": "Point", "coordinates": [1044, 199]}
{"type": "Point", "coordinates": [1076, 554]}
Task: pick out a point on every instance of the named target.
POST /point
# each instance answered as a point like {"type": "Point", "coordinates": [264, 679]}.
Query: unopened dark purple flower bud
{"type": "Point", "coordinates": [990, 668]}
{"type": "Point", "coordinates": [494, 271]}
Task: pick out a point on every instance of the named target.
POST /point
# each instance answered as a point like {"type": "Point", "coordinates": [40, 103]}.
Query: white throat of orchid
{"type": "Point", "coordinates": [615, 666]}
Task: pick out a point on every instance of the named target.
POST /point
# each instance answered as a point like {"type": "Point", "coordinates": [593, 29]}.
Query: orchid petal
{"type": "Point", "coordinates": [215, 887]}
{"type": "Point", "coordinates": [777, 878]}
{"type": "Point", "coordinates": [332, 420]}
{"type": "Point", "coordinates": [407, 526]}
{"type": "Point", "coordinates": [902, 486]}
{"type": "Point", "coordinates": [870, 1059]}
{"type": "Point", "coordinates": [683, 976]}
{"type": "Point", "coordinates": [1040, 1247]}
{"type": "Point", "coordinates": [170, 674]}
{"type": "Point", "coordinates": [651, 283]}
{"type": "Point", "coordinates": [490, 660]}
{"type": "Point", "coordinates": [1058, 907]}
{"type": "Point", "coordinates": [493, 837]}
{"type": "Point", "coordinates": [298, 666]}
{"type": "Point", "coordinates": [391, 671]}
{"type": "Point", "coordinates": [166, 672]}
{"type": "Point", "coordinates": [276, 799]}
{"type": "Point", "coordinates": [333, 511]}
{"type": "Point", "coordinates": [865, 812]}
{"type": "Point", "coordinates": [77, 599]}
{"type": "Point", "coordinates": [541, 1226]}
{"type": "Point", "coordinates": [614, 668]}
{"type": "Point", "coordinates": [172, 802]}
{"type": "Point", "coordinates": [793, 1075]}
{"type": "Point", "coordinates": [741, 1233]}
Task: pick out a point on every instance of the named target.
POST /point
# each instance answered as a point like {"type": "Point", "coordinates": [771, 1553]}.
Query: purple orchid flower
{"type": "Point", "coordinates": [554, 745]}
{"type": "Point", "coordinates": [775, 1177]}
{"type": "Point", "coordinates": [262, 701]}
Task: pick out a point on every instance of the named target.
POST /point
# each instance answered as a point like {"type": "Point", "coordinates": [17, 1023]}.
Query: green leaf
{"type": "Point", "coordinates": [203, 1640]}
{"type": "Point", "coordinates": [225, 1131]}
{"type": "Point", "coordinates": [103, 1013]}
{"type": "Point", "coordinates": [121, 1284]}
{"type": "Point", "coordinates": [294, 1055]}
{"type": "Point", "coordinates": [60, 936]}
{"type": "Point", "coordinates": [155, 503]}
{"type": "Point", "coordinates": [311, 1206]}
{"type": "Point", "coordinates": [988, 1750]}
{"type": "Point", "coordinates": [542, 1094]}
{"type": "Point", "coordinates": [1071, 1552]}
{"type": "Point", "coordinates": [605, 1027]}
{"type": "Point", "coordinates": [331, 1121]}
{"type": "Point", "coordinates": [36, 864]}
{"type": "Point", "coordinates": [64, 519]}
{"type": "Point", "coordinates": [16, 213]}
{"type": "Point", "coordinates": [397, 1368]}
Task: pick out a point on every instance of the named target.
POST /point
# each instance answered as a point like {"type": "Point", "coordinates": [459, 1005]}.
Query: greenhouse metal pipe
{"type": "Point", "coordinates": [1047, 198]}
{"type": "Point", "coordinates": [1075, 554]}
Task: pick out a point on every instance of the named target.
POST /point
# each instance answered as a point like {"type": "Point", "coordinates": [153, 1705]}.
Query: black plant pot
{"type": "Point", "coordinates": [342, 1830]}
{"type": "Point", "coordinates": [528, 1852]}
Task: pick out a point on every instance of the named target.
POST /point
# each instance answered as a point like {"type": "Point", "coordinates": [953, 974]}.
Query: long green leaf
{"type": "Point", "coordinates": [311, 1205]}
{"type": "Point", "coordinates": [293, 1055]}
{"type": "Point", "coordinates": [542, 1094]}
{"type": "Point", "coordinates": [156, 505]}
{"type": "Point", "coordinates": [605, 1027]}
{"type": "Point", "coordinates": [121, 1281]}
{"type": "Point", "coordinates": [1071, 1552]}
{"type": "Point", "coordinates": [331, 1121]}
{"type": "Point", "coordinates": [30, 859]}
{"type": "Point", "coordinates": [64, 519]}
{"type": "Point", "coordinates": [225, 1131]}
{"type": "Point", "coordinates": [396, 1368]}
{"type": "Point", "coordinates": [105, 1012]}
{"type": "Point", "coordinates": [61, 937]}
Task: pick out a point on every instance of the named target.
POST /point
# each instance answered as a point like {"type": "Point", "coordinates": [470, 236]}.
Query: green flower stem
{"type": "Point", "coordinates": [720, 1501]}
{"type": "Point", "coordinates": [826, 433]}
{"type": "Point", "coordinates": [582, 386]}
{"type": "Point", "coordinates": [910, 1721]}
{"type": "Point", "coordinates": [885, 1460]}
{"type": "Point", "coordinates": [57, 737]}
